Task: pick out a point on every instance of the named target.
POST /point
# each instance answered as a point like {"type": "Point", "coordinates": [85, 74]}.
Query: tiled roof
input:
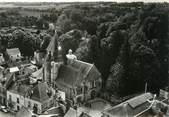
{"type": "Point", "coordinates": [23, 112]}
{"type": "Point", "coordinates": [40, 92]}
{"type": "Point", "coordinates": [130, 107]}
{"type": "Point", "coordinates": [13, 51]}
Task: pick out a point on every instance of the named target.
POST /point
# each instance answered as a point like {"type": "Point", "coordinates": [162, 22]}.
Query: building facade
{"type": "Point", "coordinates": [37, 98]}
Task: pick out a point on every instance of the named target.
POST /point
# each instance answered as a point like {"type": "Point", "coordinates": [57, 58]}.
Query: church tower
{"type": "Point", "coordinates": [53, 60]}
{"type": "Point", "coordinates": [53, 47]}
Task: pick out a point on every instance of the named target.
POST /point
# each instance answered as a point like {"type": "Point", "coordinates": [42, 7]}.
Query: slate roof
{"type": "Point", "coordinates": [23, 112]}
{"type": "Point", "coordinates": [13, 51]}
{"type": "Point", "coordinates": [39, 92]}
{"type": "Point", "coordinates": [86, 70]}
{"type": "Point", "coordinates": [67, 76]}
{"type": "Point", "coordinates": [130, 107]}
{"type": "Point", "coordinates": [73, 74]}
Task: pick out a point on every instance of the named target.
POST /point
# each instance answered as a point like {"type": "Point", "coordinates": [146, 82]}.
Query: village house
{"type": "Point", "coordinates": [14, 54]}
{"type": "Point", "coordinates": [5, 81]}
{"type": "Point", "coordinates": [37, 98]}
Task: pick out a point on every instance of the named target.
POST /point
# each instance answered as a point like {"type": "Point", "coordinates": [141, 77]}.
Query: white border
{"type": "Point", "coordinates": [84, 1]}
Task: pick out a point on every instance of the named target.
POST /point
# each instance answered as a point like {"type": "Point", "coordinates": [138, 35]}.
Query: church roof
{"type": "Point", "coordinates": [67, 76]}
{"type": "Point", "coordinates": [73, 74]}
{"type": "Point", "coordinates": [52, 47]}
{"type": "Point", "coordinates": [85, 69]}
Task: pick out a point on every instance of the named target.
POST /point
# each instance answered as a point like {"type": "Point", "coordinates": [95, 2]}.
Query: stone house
{"type": "Point", "coordinates": [37, 98]}
{"type": "Point", "coordinates": [14, 54]}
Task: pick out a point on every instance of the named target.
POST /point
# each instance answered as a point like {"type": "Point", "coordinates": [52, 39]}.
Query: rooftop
{"type": "Point", "coordinates": [13, 69]}
{"type": "Point", "coordinates": [19, 88]}
{"type": "Point", "coordinates": [13, 51]}
{"type": "Point", "coordinates": [73, 74]}
{"type": "Point", "coordinates": [130, 107]}
{"type": "Point", "coordinates": [39, 92]}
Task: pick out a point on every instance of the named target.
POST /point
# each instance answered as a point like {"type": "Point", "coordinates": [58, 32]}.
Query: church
{"type": "Point", "coordinates": [79, 81]}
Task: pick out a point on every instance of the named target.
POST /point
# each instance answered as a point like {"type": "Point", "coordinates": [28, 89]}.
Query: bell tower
{"type": "Point", "coordinates": [53, 47]}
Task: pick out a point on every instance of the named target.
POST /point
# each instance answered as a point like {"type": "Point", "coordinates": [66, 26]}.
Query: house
{"type": "Point", "coordinates": [5, 82]}
{"type": "Point", "coordinates": [16, 95]}
{"type": "Point", "coordinates": [37, 98]}
{"type": "Point", "coordinates": [14, 54]}
{"type": "Point", "coordinates": [131, 108]}
{"type": "Point", "coordinates": [79, 80]}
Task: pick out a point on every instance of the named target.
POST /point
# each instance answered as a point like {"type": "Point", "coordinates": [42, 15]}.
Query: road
{"type": "Point", "coordinates": [2, 114]}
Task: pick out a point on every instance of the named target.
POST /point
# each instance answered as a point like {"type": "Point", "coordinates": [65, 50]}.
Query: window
{"type": "Point", "coordinates": [35, 105]}
{"type": "Point", "coordinates": [18, 108]}
{"type": "Point", "coordinates": [10, 97]}
{"type": "Point", "coordinates": [18, 100]}
{"type": "Point", "coordinates": [79, 90]}
{"type": "Point", "coordinates": [29, 104]}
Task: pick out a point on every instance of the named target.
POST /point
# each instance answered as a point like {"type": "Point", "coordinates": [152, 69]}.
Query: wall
{"type": "Point", "coordinates": [14, 99]}
{"type": "Point", "coordinates": [32, 102]}
{"type": "Point", "coordinates": [15, 57]}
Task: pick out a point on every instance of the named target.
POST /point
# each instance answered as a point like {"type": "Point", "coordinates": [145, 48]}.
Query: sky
{"type": "Point", "coordinates": [83, 0]}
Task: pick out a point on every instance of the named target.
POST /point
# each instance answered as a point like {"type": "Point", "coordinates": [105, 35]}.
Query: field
{"type": "Point", "coordinates": [28, 9]}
